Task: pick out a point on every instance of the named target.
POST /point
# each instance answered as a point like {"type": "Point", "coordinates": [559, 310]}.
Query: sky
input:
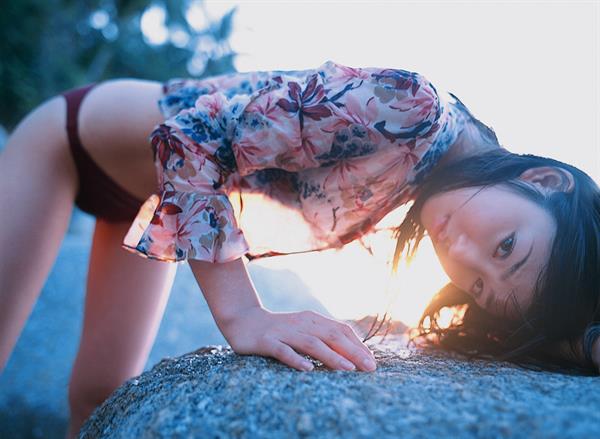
{"type": "Point", "coordinates": [529, 69]}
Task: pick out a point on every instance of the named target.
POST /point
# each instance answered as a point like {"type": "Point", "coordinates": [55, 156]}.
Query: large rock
{"type": "Point", "coordinates": [214, 393]}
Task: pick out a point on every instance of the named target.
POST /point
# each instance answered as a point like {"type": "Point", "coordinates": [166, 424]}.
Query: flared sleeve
{"type": "Point", "coordinates": [336, 144]}
{"type": "Point", "coordinates": [191, 217]}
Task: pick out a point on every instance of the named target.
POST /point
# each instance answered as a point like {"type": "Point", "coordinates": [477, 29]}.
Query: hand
{"type": "Point", "coordinates": [596, 353]}
{"type": "Point", "coordinates": [284, 335]}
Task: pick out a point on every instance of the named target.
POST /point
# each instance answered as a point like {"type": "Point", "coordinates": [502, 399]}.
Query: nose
{"type": "Point", "coordinates": [463, 250]}
{"type": "Point", "coordinates": [460, 260]}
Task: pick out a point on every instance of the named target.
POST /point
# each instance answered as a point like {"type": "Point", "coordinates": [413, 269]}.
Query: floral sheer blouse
{"type": "Point", "coordinates": [279, 162]}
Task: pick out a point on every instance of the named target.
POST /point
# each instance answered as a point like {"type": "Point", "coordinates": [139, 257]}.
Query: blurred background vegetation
{"type": "Point", "coordinates": [48, 46]}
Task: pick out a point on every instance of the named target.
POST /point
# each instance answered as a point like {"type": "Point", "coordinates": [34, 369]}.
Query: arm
{"type": "Point", "coordinates": [226, 299]}
{"type": "Point", "coordinates": [564, 350]}
{"type": "Point", "coordinates": [596, 354]}
{"type": "Point", "coordinates": [251, 329]}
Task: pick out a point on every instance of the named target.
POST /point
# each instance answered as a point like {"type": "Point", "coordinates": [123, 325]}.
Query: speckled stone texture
{"type": "Point", "coordinates": [215, 393]}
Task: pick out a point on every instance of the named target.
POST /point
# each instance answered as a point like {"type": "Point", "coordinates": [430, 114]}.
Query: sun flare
{"type": "Point", "coordinates": [350, 282]}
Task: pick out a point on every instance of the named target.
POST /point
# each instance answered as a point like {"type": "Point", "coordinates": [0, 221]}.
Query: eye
{"type": "Point", "coordinates": [506, 247]}
{"type": "Point", "coordinates": [477, 287]}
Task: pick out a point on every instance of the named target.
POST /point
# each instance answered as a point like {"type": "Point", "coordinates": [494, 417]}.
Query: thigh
{"type": "Point", "coordinates": [125, 299]}
{"type": "Point", "coordinates": [115, 120]}
{"type": "Point", "coordinates": [38, 183]}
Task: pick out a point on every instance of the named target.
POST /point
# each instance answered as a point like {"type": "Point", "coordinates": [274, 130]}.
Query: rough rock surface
{"type": "Point", "coordinates": [214, 393]}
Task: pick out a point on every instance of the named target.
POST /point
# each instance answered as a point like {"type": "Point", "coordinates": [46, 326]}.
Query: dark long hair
{"type": "Point", "coordinates": [566, 294]}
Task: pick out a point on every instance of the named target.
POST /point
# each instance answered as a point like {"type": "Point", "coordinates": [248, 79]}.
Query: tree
{"type": "Point", "coordinates": [48, 46]}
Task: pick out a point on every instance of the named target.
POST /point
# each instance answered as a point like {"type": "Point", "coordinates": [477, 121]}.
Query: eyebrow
{"type": "Point", "coordinates": [512, 270]}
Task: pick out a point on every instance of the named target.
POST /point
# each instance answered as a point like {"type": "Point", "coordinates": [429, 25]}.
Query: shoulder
{"type": "Point", "coordinates": [386, 77]}
{"type": "Point", "coordinates": [403, 104]}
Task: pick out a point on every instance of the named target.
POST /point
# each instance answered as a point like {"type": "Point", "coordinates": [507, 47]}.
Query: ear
{"type": "Point", "coordinates": [548, 179]}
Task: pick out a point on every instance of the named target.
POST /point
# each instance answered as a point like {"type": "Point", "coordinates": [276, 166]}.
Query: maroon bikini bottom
{"type": "Point", "coordinates": [98, 194]}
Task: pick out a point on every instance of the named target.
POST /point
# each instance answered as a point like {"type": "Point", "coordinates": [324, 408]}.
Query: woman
{"type": "Point", "coordinates": [340, 146]}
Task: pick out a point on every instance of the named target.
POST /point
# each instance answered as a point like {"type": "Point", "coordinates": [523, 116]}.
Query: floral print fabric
{"type": "Point", "coordinates": [340, 146]}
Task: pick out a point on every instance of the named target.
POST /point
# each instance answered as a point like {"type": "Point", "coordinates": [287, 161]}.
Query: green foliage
{"type": "Point", "coordinates": [48, 46]}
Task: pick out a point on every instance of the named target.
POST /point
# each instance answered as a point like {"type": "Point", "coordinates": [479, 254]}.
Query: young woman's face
{"type": "Point", "coordinates": [492, 243]}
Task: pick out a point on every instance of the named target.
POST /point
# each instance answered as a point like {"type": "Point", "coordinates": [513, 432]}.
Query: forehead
{"type": "Point", "coordinates": [496, 192]}
{"type": "Point", "coordinates": [492, 207]}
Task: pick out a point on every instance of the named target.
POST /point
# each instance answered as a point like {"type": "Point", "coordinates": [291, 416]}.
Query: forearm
{"type": "Point", "coordinates": [565, 350]}
{"type": "Point", "coordinates": [250, 329]}
{"type": "Point", "coordinates": [227, 288]}
{"type": "Point", "coordinates": [596, 354]}
{"type": "Point", "coordinates": [570, 351]}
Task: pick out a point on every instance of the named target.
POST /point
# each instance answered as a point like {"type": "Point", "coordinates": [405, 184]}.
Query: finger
{"type": "Point", "coordinates": [319, 321]}
{"type": "Point", "coordinates": [288, 356]}
{"type": "Point", "coordinates": [316, 348]}
{"type": "Point", "coordinates": [342, 338]}
{"type": "Point", "coordinates": [339, 338]}
{"type": "Point", "coordinates": [349, 331]}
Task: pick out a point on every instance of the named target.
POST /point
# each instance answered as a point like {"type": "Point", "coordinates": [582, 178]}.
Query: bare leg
{"type": "Point", "coordinates": [39, 182]}
{"type": "Point", "coordinates": [125, 300]}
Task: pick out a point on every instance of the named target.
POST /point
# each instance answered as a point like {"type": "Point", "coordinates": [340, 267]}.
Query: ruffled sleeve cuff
{"type": "Point", "coordinates": [175, 226]}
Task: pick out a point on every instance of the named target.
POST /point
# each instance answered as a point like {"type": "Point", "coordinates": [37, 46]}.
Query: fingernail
{"type": "Point", "coordinates": [369, 364]}
{"type": "Point", "coordinates": [347, 365]}
{"type": "Point", "coordinates": [307, 366]}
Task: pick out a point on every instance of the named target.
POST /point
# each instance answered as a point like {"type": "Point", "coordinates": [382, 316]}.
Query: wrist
{"type": "Point", "coordinates": [232, 326]}
{"type": "Point", "coordinates": [591, 345]}
{"type": "Point", "coordinates": [596, 353]}
{"type": "Point", "coordinates": [227, 288]}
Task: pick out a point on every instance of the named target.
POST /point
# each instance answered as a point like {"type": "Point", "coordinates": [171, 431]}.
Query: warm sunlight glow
{"type": "Point", "coordinates": [349, 282]}
{"type": "Point", "coordinates": [446, 315]}
{"type": "Point", "coordinates": [510, 79]}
